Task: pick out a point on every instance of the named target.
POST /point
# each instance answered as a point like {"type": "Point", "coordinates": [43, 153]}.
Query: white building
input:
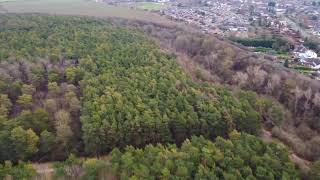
{"type": "Point", "coordinates": [317, 67]}
{"type": "Point", "coordinates": [308, 54]}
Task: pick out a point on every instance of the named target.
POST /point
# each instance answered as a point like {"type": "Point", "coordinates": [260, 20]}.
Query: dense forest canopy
{"type": "Point", "coordinates": [86, 86]}
{"type": "Point", "coordinates": [242, 157]}
{"type": "Point", "coordinates": [217, 61]}
{"type": "Point", "coordinates": [131, 92]}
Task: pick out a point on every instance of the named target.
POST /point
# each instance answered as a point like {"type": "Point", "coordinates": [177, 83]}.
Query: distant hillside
{"type": "Point", "coordinates": [215, 60]}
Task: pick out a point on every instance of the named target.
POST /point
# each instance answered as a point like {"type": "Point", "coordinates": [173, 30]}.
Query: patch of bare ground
{"type": "Point", "coordinates": [45, 171]}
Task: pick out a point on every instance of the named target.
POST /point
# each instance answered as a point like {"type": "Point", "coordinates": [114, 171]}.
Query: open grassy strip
{"type": "Point", "coordinates": [151, 6]}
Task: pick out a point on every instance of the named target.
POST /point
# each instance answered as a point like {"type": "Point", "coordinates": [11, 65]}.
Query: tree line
{"type": "Point", "coordinates": [278, 44]}
{"type": "Point", "coordinates": [241, 157]}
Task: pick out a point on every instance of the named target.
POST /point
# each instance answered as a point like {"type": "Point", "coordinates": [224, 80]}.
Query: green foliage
{"type": "Point", "coordinates": [266, 43]}
{"type": "Point", "coordinates": [47, 141]}
{"type": "Point", "coordinates": [92, 168]}
{"type": "Point", "coordinates": [5, 105]}
{"type": "Point", "coordinates": [268, 109]}
{"type": "Point", "coordinates": [314, 173]}
{"type": "Point", "coordinates": [54, 76]}
{"type": "Point", "coordinates": [70, 168]}
{"type": "Point", "coordinates": [25, 100]}
{"type": "Point", "coordinates": [24, 142]}
{"type": "Point", "coordinates": [28, 89]}
{"type": "Point", "coordinates": [129, 92]}
{"type": "Point", "coordinates": [286, 63]}
{"type": "Point", "coordinates": [38, 120]}
{"type": "Point", "coordinates": [74, 75]}
{"type": "Point", "coordinates": [278, 44]}
{"type": "Point", "coordinates": [312, 44]}
{"type": "Point", "coordinates": [21, 171]}
{"type": "Point", "coordinates": [242, 157]}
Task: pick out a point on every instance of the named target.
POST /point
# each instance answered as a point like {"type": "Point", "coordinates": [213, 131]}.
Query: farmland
{"type": "Point", "coordinates": [1, 1]}
{"type": "Point", "coordinates": [150, 6]}
{"type": "Point", "coordinates": [78, 7]}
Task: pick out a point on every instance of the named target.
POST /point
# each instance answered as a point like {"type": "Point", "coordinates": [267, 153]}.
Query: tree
{"type": "Point", "coordinates": [93, 168]}
{"type": "Point", "coordinates": [28, 89]}
{"type": "Point", "coordinates": [316, 99]}
{"type": "Point", "coordinates": [54, 76]}
{"type": "Point", "coordinates": [70, 169]}
{"type": "Point", "coordinates": [5, 105]}
{"type": "Point", "coordinates": [314, 172]}
{"type": "Point", "coordinates": [286, 63]}
{"type": "Point", "coordinates": [240, 78]}
{"type": "Point", "coordinates": [6, 146]}
{"type": "Point", "coordinates": [314, 145]}
{"type": "Point", "coordinates": [38, 120]}
{"type": "Point", "coordinates": [74, 75]}
{"type": "Point", "coordinates": [20, 171]}
{"type": "Point", "coordinates": [73, 101]}
{"type": "Point", "coordinates": [23, 171]}
{"type": "Point", "coordinates": [64, 132]}
{"type": "Point", "coordinates": [181, 43]}
{"type": "Point", "coordinates": [208, 45]}
{"type": "Point", "coordinates": [14, 90]}
{"type": "Point", "coordinates": [25, 100]}
{"type": "Point", "coordinates": [54, 89]}
{"type": "Point", "coordinates": [25, 142]}
{"type": "Point", "coordinates": [276, 114]}
{"type": "Point", "coordinates": [47, 141]}
{"type": "Point", "coordinates": [88, 64]}
{"type": "Point", "coordinates": [39, 77]}
{"type": "Point", "coordinates": [272, 4]}
{"type": "Point", "coordinates": [258, 76]}
{"type": "Point", "coordinates": [273, 83]}
{"type": "Point", "coordinates": [51, 105]}
{"type": "Point", "coordinates": [243, 156]}
{"type": "Point", "coordinates": [74, 104]}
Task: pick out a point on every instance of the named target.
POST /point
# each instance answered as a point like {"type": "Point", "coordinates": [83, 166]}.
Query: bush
{"type": "Point", "coordinates": [71, 168]}
{"type": "Point", "coordinates": [92, 168]}
{"type": "Point", "coordinates": [314, 173]}
{"type": "Point", "coordinates": [21, 171]}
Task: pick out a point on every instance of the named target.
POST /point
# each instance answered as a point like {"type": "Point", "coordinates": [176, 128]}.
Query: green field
{"type": "Point", "coordinates": [78, 7]}
{"type": "Point", "coordinates": [1, 1]}
{"type": "Point", "coordinates": [150, 6]}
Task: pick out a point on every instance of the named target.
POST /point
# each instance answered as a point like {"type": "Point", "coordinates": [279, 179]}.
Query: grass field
{"type": "Point", "coordinates": [150, 6]}
{"type": "Point", "coordinates": [1, 1]}
{"type": "Point", "coordinates": [78, 7]}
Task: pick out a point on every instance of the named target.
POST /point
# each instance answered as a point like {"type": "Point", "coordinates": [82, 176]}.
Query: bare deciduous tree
{"type": "Point", "coordinates": [299, 93]}
{"type": "Point", "coordinates": [316, 99]}
{"type": "Point", "coordinates": [64, 132]}
{"type": "Point", "coordinates": [240, 78]}
{"type": "Point", "coordinates": [257, 75]}
{"type": "Point", "coordinates": [273, 83]}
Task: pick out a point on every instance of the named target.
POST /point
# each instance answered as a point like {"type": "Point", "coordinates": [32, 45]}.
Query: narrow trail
{"type": "Point", "coordinates": [43, 168]}
{"type": "Point", "coordinates": [45, 171]}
